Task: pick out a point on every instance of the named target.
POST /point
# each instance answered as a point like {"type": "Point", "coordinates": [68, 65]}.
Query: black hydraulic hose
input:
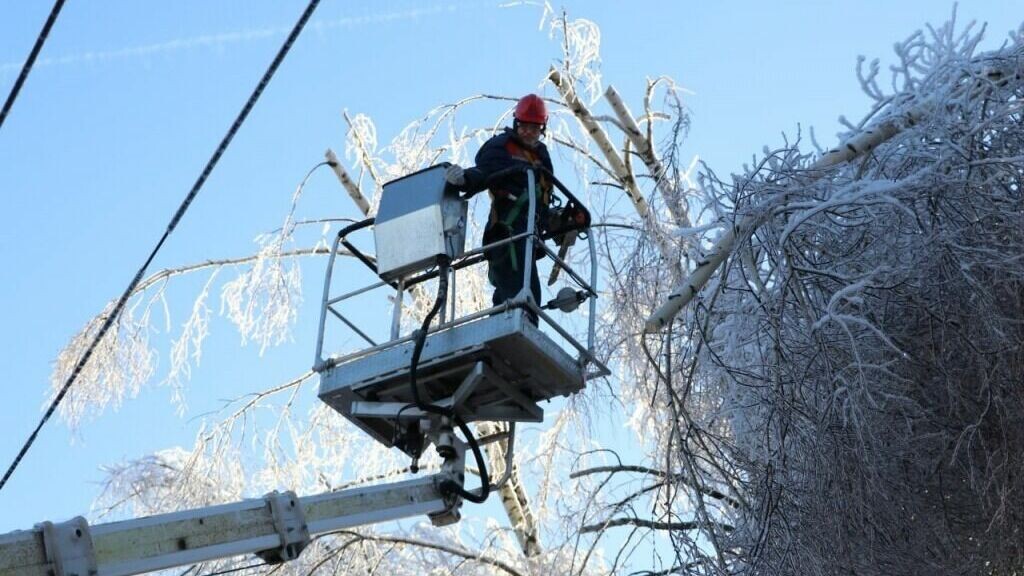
{"type": "Point", "coordinates": [451, 486]}
{"type": "Point", "coordinates": [420, 338]}
{"type": "Point", "coordinates": [344, 232]}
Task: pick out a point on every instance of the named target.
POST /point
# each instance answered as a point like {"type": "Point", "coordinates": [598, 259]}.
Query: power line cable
{"type": "Point", "coordinates": [116, 312]}
{"type": "Point", "coordinates": [31, 60]}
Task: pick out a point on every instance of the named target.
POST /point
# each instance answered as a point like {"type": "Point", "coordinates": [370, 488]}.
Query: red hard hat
{"type": "Point", "coordinates": [531, 109]}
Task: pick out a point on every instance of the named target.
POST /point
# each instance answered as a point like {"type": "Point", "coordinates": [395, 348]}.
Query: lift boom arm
{"type": "Point", "coordinates": [276, 527]}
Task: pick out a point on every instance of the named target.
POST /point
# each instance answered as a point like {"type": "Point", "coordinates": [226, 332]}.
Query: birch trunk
{"type": "Point", "coordinates": [513, 495]}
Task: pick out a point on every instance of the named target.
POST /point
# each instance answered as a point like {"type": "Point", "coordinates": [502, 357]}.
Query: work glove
{"type": "Point", "coordinates": [455, 175]}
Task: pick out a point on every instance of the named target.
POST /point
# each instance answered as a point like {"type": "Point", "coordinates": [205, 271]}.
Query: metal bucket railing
{"type": "Point", "coordinates": [448, 318]}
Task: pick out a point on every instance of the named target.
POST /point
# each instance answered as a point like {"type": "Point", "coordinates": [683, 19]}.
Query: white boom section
{"type": "Point", "coordinates": [277, 527]}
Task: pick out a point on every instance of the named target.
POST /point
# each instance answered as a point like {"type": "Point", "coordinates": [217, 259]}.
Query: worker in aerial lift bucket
{"type": "Point", "coordinates": [509, 200]}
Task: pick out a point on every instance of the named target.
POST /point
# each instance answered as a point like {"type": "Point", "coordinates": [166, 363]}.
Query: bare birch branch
{"type": "Point", "coordinates": [346, 181]}
{"type": "Point", "coordinates": [646, 152]}
{"type": "Point", "coordinates": [650, 524]}
{"type": "Point", "coordinates": [470, 555]}
{"type": "Point", "coordinates": [618, 167]}
{"type": "Point", "coordinates": [621, 171]}
{"type": "Point", "coordinates": [653, 472]}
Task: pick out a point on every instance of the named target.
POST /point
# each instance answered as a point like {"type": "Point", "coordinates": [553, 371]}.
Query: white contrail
{"type": "Point", "coordinates": [220, 40]}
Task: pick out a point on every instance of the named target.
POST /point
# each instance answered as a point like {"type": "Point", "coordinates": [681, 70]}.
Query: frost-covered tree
{"type": "Point", "coordinates": [854, 369]}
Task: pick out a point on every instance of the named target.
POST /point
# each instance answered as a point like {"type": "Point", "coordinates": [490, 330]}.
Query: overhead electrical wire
{"type": "Point", "coordinates": [116, 312]}
{"type": "Point", "coordinates": [40, 40]}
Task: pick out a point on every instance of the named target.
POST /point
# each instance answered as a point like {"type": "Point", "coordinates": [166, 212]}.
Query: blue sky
{"type": "Point", "coordinates": [129, 99]}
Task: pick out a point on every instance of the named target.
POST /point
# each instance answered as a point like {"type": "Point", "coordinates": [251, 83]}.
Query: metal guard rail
{"type": "Point", "coordinates": [472, 257]}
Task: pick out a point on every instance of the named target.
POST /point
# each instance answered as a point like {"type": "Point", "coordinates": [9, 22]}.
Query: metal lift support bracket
{"type": "Point", "coordinates": [68, 547]}
{"type": "Point", "coordinates": [290, 524]}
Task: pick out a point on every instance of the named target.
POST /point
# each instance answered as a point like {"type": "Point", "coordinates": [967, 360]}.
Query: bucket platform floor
{"type": "Point", "coordinates": [494, 368]}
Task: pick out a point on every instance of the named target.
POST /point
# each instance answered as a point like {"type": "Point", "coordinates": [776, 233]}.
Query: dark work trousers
{"type": "Point", "coordinates": [508, 280]}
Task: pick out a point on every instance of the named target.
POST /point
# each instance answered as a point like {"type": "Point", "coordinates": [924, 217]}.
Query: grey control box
{"type": "Point", "coordinates": [419, 221]}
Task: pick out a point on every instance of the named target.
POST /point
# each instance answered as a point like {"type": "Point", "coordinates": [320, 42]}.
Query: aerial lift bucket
{"type": "Point", "coordinates": [490, 365]}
